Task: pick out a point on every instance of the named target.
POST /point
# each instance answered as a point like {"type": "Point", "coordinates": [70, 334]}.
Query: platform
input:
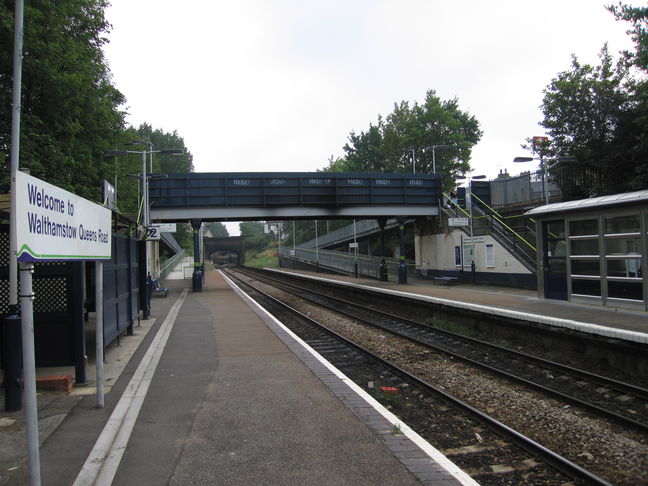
{"type": "Point", "coordinates": [235, 400]}
{"type": "Point", "coordinates": [511, 302]}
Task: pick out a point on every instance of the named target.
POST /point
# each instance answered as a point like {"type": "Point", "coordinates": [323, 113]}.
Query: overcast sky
{"type": "Point", "coordinates": [265, 85]}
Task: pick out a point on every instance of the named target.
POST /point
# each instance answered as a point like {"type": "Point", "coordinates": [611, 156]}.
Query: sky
{"type": "Point", "coordinates": [278, 85]}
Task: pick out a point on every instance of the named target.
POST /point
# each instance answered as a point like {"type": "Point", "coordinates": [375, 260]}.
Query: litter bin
{"type": "Point", "coordinates": [197, 280]}
{"type": "Point", "coordinates": [383, 270]}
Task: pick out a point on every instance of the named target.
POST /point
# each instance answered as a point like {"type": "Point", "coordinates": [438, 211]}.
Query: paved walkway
{"type": "Point", "coordinates": [234, 400]}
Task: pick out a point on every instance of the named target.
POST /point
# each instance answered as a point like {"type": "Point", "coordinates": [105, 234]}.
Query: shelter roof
{"type": "Point", "coordinates": [593, 203]}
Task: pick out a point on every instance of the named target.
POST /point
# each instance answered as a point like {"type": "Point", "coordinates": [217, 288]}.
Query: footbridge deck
{"type": "Point", "coordinates": [240, 196]}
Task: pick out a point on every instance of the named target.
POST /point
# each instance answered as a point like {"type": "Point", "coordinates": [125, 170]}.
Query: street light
{"type": "Point", "coordinates": [434, 147]}
{"type": "Point", "coordinates": [122, 153]}
{"type": "Point", "coordinates": [413, 159]}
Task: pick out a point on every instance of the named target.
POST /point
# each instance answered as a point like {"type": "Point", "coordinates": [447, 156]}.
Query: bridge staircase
{"type": "Point", "coordinates": [514, 232]}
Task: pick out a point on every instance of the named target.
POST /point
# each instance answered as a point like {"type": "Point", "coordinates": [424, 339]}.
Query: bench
{"type": "Point", "coordinates": [158, 289]}
{"type": "Point", "coordinates": [445, 280]}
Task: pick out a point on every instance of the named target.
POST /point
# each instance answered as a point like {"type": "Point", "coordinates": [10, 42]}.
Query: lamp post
{"type": "Point", "coordinates": [121, 153]}
{"type": "Point", "coordinates": [434, 147]}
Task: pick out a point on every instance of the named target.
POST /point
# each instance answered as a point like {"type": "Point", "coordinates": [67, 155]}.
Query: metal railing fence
{"type": "Point", "coordinates": [343, 262]}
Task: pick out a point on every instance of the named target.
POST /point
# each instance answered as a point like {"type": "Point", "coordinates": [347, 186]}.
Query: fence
{"type": "Point", "coordinates": [521, 189]}
{"type": "Point", "coordinates": [341, 262]}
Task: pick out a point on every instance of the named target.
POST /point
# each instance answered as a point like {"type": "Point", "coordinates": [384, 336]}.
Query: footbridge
{"type": "Point", "coordinates": [268, 196]}
{"type": "Point", "coordinates": [281, 196]}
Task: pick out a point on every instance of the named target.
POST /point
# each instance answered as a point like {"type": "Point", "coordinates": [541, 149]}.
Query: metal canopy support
{"type": "Point", "coordinates": [197, 273]}
{"type": "Point", "coordinates": [402, 269]}
{"type": "Point", "coordinates": [382, 270]}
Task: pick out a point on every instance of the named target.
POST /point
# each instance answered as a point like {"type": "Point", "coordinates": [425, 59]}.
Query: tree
{"type": "Point", "coordinates": [599, 115]}
{"type": "Point", "coordinates": [255, 239]}
{"type": "Point", "coordinates": [387, 146]}
{"type": "Point", "coordinates": [164, 140]}
{"type": "Point", "coordinates": [123, 169]}
{"type": "Point", "coordinates": [218, 230]}
{"type": "Point", "coordinates": [70, 109]}
{"type": "Point", "coordinates": [633, 129]}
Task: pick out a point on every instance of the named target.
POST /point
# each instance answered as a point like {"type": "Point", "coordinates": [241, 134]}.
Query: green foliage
{"type": "Point", "coordinates": [305, 230]}
{"type": "Point", "coordinates": [70, 110]}
{"type": "Point", "coordinates": [638, 18]}
{"type": "Point", "coordinates": [387, 146]}
{"type": "Point", "coordinates": [599, 114]}
{"type": "Point", "coordinates": [218, 230]}
{"type": "Point", "coordinates": [255, 240]}
{"type": "Point", "coordinates": [267, 259]}
{"type": "Point", "coordinates": [184, 236]}
{"type": "Point", "coordinates": [124, 169]}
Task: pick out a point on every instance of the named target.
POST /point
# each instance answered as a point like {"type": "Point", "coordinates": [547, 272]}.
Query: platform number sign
{"type": "Point", "coordinates": [152, 233]}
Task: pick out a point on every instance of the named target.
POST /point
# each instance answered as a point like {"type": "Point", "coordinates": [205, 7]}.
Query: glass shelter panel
{"type": "Point", "coordinates": [586, 287]}
{"type": "Point", "coordinates": [584, 227]}
{"type": "Point", "coordinates": [556, 229]}
{"type": "Point", "coordinates": [588, 246]}
{"type": "Point", "coordinates": [622, 224]}
{"type": "Point", "coordinates": [624, 267]}
{"type": "Point", "coordinates": [625, 290]}
{"type": "Point", "coordinates": [626, 245]}
{"type": "Point", "coordinates": [586, 267]}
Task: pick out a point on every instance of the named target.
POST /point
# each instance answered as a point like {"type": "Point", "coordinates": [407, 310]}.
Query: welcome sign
{"type": "Point", "coordinates": [54, 224]}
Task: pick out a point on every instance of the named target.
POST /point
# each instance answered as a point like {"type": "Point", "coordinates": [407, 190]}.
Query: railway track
{"type": "Point", "coordinates": [614, 400]}
{"type": "Point", "coordinates": [489, 451]}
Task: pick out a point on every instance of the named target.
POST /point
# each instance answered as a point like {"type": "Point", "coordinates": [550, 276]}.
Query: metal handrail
{"type": "Point", "coordinates": [495, 215]}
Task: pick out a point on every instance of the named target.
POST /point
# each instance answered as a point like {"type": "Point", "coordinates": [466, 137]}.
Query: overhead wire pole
{"type": "Point", "coordinates": [26, 297]}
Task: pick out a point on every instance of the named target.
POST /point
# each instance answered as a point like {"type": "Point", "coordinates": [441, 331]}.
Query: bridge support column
{"type": "Point", "coordinates": [382, 269]}
{"type": "Point", "coordinates": [402, 269]}
{"type": "Point", "coordinates": [197, 277]}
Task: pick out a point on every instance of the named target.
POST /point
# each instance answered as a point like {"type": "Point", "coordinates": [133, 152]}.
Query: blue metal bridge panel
{"type": "Point", "coordinates": [283, 189]}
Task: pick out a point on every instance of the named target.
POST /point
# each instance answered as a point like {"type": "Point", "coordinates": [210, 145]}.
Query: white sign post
{"type": "Point", "coordinates": [53, 224]}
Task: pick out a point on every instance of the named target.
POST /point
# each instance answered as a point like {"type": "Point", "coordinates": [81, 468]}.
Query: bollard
{"type": "Point", "coordinates": [12, 361]}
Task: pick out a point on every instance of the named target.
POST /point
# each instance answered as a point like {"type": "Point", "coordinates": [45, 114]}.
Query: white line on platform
{"type": "Point", "coordinates": [424, 445]}
{"type": "Point", "coordinates": [102, 463]}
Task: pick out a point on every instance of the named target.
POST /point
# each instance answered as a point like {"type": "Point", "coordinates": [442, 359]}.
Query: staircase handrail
{"type": "Point", "coordinates": [455, 204]}
{"type": "Point", "coordinates": [495, 215]}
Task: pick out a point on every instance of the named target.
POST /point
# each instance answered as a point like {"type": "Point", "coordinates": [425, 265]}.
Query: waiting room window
{"type": "Point", "coordinates": [585, 257]}
{"type": "Point", "coordinates": [623, 250]}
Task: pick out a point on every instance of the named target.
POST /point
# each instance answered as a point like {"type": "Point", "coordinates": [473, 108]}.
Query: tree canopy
{"type": "Point", "coordinates": [599, 114]}
{"type": "Point", "coordinates": [390, 144]}
{"type": "Point", "coordinates": [70, 109]}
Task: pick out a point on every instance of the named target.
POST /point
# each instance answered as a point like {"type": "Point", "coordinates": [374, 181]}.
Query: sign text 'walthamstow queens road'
{"type": "Point", "coordinates": [54, 224]}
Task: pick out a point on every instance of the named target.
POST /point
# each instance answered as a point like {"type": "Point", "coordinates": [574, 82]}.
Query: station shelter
{"type": "Point", "coordinates": [594, 250]}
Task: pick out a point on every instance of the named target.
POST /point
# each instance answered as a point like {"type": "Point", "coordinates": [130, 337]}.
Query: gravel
{"type": "Point", "coordinates": [610, 451]}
